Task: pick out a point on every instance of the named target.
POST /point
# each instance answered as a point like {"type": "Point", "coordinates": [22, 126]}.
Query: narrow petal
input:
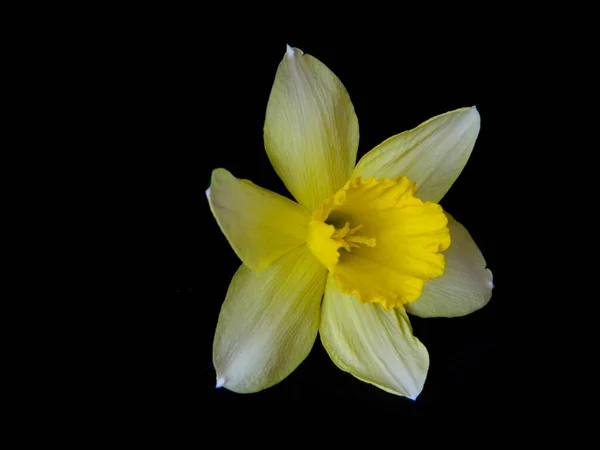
{"type": "Point", "coordinates": [432, 155]}
{"type": "Point", "coordinates": [268, 322]}
{"type": "Point", "coordinates": [311, 130]}
{"type": "Point", "coordinates": [465, 286]}
{"type": "Point", "coordinates": [259, 224]}
{"type": "Point", "coordinates": [374, 345]}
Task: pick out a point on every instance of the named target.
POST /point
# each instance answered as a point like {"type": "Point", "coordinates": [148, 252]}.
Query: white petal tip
{"type": "Point", "coordinates": [207, 192]}
{"type": "Point", "coordinates": [220, 383]}
{"type": "Point", "coordinates": [290, 51]}
{"type": "Point", "coordinates": [491, 280]}
{"type": "Point", "coordinates": [475, 113]}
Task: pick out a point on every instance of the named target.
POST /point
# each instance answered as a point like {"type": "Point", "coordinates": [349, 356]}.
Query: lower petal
{"type": "Point", "coordinates": [268, 322]}
{"type": "Point", "coordinates": [374, 345]}
{"type": "Point", "coordinates": [466, 284]}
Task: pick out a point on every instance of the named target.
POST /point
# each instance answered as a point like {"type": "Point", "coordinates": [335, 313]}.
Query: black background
{"type": "Point", "coordinates": [135, 106]}
{"type": "Point", "coordinates": [198, 102]}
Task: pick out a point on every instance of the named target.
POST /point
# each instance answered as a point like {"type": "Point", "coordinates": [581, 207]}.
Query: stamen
{"type": "Point", "coordinates": [344, 237]}
{"type": "Point", "coordinates": [355, 229]}
{"type": "Point", "coordinates": [370, 242]}
{"type": "Point", "coordinates": [341, 233]}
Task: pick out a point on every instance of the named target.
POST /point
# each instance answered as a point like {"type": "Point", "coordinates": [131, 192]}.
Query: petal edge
{"type": "Point", "coordinates": [466, 285]}
{"type": "Point", "coordinates": [268, 322]}
{"type": "Point", "coordinates": [374, 345]}
{"type": "Point", "coordinates": [311, 129]}
{"type": "Point", "coordinates": [432, 155]}
{"type": "Point", "coordinates": [259, 224]}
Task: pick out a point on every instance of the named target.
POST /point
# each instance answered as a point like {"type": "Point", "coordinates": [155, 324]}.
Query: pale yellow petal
{"type": "Point", "coordinates": [268, 322]}
{"type": "Point", "coordinates": [466, 284]}
{"type": "Point", "coordinates": [374, 345]}
{"type": "Point", "coordinates": [259, 224]}
{"type": "Point", "coordinates": [432, 155]}
{"type": "Point", "coordinates": [311, 130]}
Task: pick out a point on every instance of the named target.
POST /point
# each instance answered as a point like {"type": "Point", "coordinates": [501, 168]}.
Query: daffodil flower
{"type": "Point", "coordinates": [363, 245]}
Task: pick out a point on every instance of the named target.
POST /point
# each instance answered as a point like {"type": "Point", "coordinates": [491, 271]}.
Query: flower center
{"type": "Point", "coordinates": [394, 247]}
{"type": "Point", "coordinates": [348, 239]}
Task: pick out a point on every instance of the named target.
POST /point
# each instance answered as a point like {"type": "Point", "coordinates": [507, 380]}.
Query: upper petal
{"type": "Point", "coordinates": [268, 322]}
{"type": "Point", "coordinates": [259, 224]}
{"type": "Point", "coordinates": [374, 345]}
{"type": "Point", "coordinates": [466, 284]}
{"type": "Point", "coordinates": [311, 130]}
{"type": "Point", "coordinates": [432, 155]}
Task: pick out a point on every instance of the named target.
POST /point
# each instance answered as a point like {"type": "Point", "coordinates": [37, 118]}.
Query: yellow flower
{"type": "Point", "coordinates": [369, 240]}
